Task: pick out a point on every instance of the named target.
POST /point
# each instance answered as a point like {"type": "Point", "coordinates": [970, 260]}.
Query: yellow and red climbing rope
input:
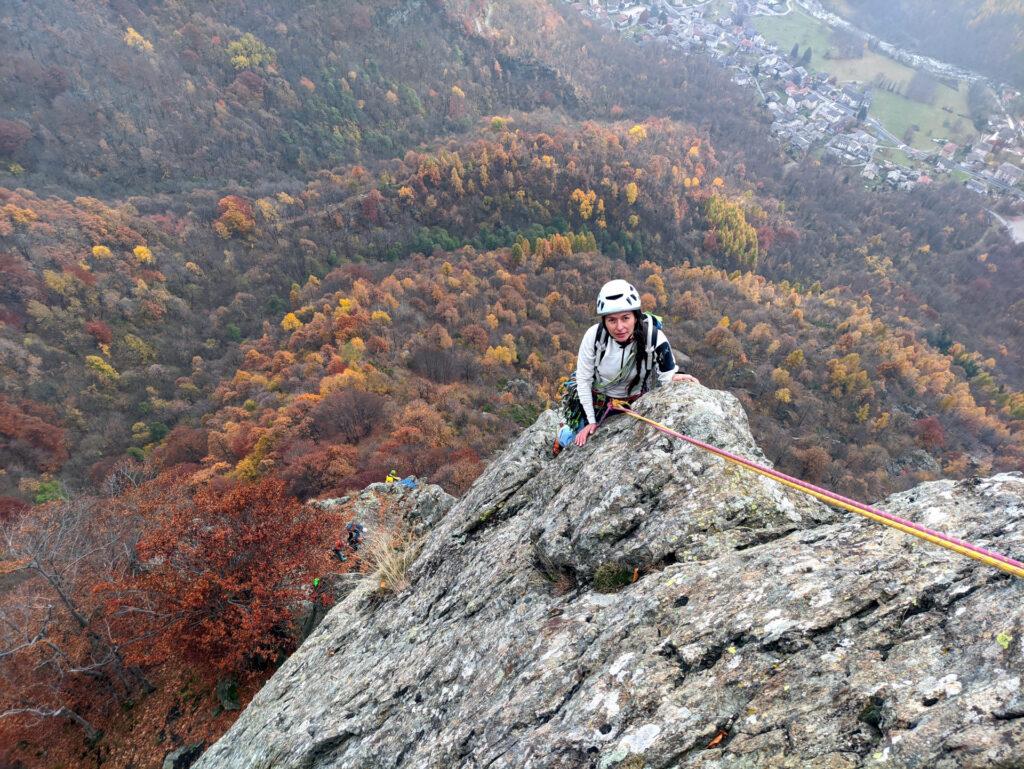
{"type": "Point", "coordinates": [989, 557]}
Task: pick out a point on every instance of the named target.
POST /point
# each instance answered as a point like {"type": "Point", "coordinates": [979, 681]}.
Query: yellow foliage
{"type": "Point", "coordinates": [101, 368]}
{"type": "Point", "coordinates": [267, 209]}
{"type": "Point", "coordinates": [585, 201]}
{"type": "Point", "coordinates": [249, 52]}
{"type": "Point", "coordinates": [718, 182]}
{"type": "Point", "coordinates": [57, 282]}
{"type": "Point", "coordinates": [379, 316]}
{"type": "Point", "coordinates": [794, 359]}
{"type": "Point", "coordinates": [142, 350]}
{"type": "Point", "coordinates": [632, 192]}
{"type": "Point", "coordinates": [249, 468]}
{"type": "Point", "coordinates": [20, 215]}
{"type": "Point", "coordinates": [291, 322]}
{"type": "Point", "coordinates": [638, 133]}
{"type": "Point", "coordinates": [406, 194]}
{"type": "Point", "coordinates": [350, 377]}
{"type": "Point", "coordinates": [143, 255]}
{"type": "Point", "coordinates": [134, 40]}
{"type": "Point", "coordinates": [101, 252]}
{"type": "Point", "coordinates": [492, 320]}
{"type": "Point", "coordinates": [498, 355]}
{"type": "Point", "coordinates": [783, 395]}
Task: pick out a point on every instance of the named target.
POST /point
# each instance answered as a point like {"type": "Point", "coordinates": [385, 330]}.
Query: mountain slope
{"type": "Point", "coordinates": [759, 629]}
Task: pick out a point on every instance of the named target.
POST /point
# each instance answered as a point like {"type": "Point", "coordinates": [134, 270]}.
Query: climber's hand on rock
{"type": "Point", "coordinates": [586, 432]}
{"type": "Point", "coordinates": [684, 378]}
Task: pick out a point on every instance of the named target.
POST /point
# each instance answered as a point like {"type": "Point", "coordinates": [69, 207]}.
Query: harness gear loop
{"type": "Point", "coordinates": [988, 557]}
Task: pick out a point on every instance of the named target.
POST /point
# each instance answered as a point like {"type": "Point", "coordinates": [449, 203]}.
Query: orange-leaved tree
{"type": "Point", "coordinates": [218, 576]}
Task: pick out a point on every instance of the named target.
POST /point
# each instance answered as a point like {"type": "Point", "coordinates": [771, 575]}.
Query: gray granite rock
{"type": "Point", "coordinates": [183, 757]}
{"type": "Point", "coordinates": [420, 507]}
{"type": "Point", "coordinates": [227, 694]}
{"type": "Point", "coordinates": [763, 630]}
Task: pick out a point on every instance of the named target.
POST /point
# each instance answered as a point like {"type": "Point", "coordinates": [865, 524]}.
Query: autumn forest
{"type": "Point", "coordinates": [258, 253]}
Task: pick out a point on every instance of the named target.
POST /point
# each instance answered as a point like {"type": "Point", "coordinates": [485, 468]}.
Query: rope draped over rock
{"type": "Point", "coordinates": [978, 553]}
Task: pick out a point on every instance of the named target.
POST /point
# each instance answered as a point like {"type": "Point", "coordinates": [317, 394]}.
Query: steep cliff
{"type": "Point", "coordinates": [639, 603]}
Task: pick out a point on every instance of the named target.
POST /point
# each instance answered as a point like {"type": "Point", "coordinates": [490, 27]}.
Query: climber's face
{"type": "Point", "coordinates": [620, 325]}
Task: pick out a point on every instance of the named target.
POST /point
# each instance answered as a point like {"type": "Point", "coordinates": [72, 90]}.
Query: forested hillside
{"type": "Point", "coordinates": [256, 253]}
{"type": "Point", "coordinates": [986, 35]}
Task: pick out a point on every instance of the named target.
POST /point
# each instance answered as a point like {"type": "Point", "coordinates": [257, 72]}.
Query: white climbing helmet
{"type": "Point", "coordinates": [617, 296]}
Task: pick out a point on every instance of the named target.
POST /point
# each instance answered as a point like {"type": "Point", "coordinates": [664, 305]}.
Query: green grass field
{"type": "Point", "coordinates": [898, 113]}
{"type": "Point", "coordinates": [796, 27]}
{"type": "Point", "coordinates": [894, 155]}
{"type": "Point", "coordinates": [895, 112]}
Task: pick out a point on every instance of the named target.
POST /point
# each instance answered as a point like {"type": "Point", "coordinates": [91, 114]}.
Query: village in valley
{"type": "Point", "coordinates": [900, 119]}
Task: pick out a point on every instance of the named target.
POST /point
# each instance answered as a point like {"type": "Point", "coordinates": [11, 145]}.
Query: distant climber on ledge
{"type": "Point", "coordinates": [623, 356]}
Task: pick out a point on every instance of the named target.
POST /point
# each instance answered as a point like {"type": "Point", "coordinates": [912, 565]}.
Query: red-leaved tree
{"type": "Point", "coordinates": [218, 576]}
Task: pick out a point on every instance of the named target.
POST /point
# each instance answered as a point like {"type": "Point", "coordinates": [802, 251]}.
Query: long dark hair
{"type": "Point", "coordinates": [639, 348]}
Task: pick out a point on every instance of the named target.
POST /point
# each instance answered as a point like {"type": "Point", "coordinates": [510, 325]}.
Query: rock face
{"type": "Point", "coordinates": [762, 629]}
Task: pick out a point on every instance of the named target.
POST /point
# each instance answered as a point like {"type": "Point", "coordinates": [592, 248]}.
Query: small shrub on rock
{"type": "Point", "coordinates": [611, 577]}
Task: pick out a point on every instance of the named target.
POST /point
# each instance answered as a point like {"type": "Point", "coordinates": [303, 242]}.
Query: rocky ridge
{"type": "Point", "coordinates": [638, 603]}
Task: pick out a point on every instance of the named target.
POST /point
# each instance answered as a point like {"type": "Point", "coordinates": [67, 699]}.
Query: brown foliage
{"type": "Point", "coordinates": [311, 469]}
{"type": "Point", "coordinates": [11, 508]}
{"type": "Point", "coordinates": [219, 573]}
{"type": "Point", "coordinates": [444, 366]}
{"type": "Point", "coordinates": [30, 435]}
{"type": "Point", "coordinates": [816, 463]}
{"type": "Point", "coordinates": [57, 660]}
{"type": "Point", "coordinates": [348, 415]}
{"type": "Point", "coordinates": [99, 331]}
{"type": "Point", "coordinates": [183, 446]}
{"type": "Point", "coordinates": [13, 136]}
{"type": "Point", "coordinates": [930, 433]}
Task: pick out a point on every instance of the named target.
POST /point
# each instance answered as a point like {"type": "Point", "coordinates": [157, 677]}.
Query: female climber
{"type": "Point", "coordinates": [623, 356]}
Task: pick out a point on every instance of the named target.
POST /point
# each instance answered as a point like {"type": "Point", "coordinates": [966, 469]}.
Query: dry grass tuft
{"type": "Point", "coordinates": [389, 556]}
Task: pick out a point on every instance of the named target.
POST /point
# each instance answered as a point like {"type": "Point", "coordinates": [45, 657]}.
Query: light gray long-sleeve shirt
{"type": "Point", "coordinates": [612, 362]}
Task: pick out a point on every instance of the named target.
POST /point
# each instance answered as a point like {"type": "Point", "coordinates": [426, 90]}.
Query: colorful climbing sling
{"type": "Point", "coordinates": [989, 557]}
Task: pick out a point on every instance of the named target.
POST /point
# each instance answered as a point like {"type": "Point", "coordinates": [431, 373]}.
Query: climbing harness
{"type": "Point", "coordinates": [989, 557]}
